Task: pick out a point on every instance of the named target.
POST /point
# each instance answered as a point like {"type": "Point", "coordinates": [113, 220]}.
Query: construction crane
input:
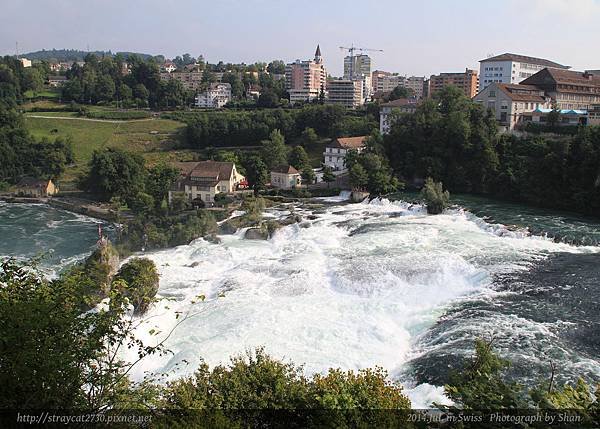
{"type": "Point", "coordinates": [351, 50]}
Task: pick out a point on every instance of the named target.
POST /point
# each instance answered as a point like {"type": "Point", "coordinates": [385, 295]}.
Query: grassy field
{"type": "Point", "coordinates": [154, 139]}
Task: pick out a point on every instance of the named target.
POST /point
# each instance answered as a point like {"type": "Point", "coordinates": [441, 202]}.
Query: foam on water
{"type": "Point", "coordinates": [354, 288]}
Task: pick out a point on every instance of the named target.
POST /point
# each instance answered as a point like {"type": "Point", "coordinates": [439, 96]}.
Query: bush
{"type": "Point", "coordinates": [259, 382]}
{"type": "Point", "coordinates": [435, 197]}
{"type": "Point", "coordinates": [118, 115]}
{"type": "Point", "coordinates": [141, 278]}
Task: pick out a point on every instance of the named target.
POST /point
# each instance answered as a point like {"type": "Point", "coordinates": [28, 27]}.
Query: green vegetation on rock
{"type": "Point", "coordinates": [141, 279]}
{"type": "Point", "coordinates": [436, 199]}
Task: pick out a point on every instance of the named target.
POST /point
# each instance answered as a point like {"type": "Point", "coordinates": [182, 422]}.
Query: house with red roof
{"type": "Point", "coordinates": [202, 180]}
{"type": "Point", "coordinates": [335, 152]}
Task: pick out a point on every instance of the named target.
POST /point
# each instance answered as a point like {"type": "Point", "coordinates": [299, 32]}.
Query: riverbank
{"type": "Point", "coordinates": [71, 204]}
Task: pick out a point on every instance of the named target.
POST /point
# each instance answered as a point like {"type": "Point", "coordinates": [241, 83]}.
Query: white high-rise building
{"type": "Point", "coordinates": [512, 68]}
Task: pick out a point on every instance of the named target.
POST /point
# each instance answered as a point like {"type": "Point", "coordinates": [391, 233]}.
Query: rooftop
{"type": "Point", "coordinates": [349, 142]}
{"type": "Point", "coordinates": [31, 182]}
{"type": "Point", "coordinates": [285, 169]}
{"type": "Point", "coordinates": [522, 92]}
{"type": "Point", "coordinates": [525, 59]}
{"type": "Point", "coordinates": [552, 76]}
{"type": "Point", "coordinates": [206, 171]}
{"type": "Point", "coordinates": [400, 102]}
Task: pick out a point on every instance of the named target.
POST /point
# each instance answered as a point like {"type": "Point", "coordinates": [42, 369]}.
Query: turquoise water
{"type": "Point", "coordinates": [60, 238]}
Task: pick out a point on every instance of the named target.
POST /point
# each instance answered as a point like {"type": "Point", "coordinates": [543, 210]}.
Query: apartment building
{"type": "Point", "coordinates": [388, 111]}
{"type": "Point", "coordinates": [512, 68]}
{"type": "Point", "coordinates": [215, 97]}
{"type": "Point", "coordinates": [346, 92]}
{"type": "Point", "coordinates": [513, 104]}
{"type": "Point", "coordinates": [305, 80]}
{"type": "Point", "coordinates": [467, 82]}
{"type": "Point", "coordinates": [415, 83]}
{"type": "Point", "coordinates": [190, 80]}
{"type": "Point", "coordinates": [569, 90]}
{"type": "Point", "coordinates": [594, 115]}
{"type": "Point", "coordinates": [386, 81]}
{"type": "Point", "coordinates": [357, 65]}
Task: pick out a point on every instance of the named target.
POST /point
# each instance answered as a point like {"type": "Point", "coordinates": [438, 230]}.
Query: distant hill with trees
{"type": "Point", "coordinates": [65, 55]}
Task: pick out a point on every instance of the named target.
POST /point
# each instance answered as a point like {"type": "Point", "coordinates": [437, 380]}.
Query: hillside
{"type": "Point", "coordinates": [65, 55]}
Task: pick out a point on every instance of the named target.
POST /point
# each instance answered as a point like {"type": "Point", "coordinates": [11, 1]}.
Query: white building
{"type": "Point", "coordinates": [216, 96]}
{"type": "Point", "coordinates": [25, 62]}
{"type": "Point", "coordinates": [335, 153]}
{"type": "Point", "coordinates": [285, 177]}
{"type": "Point", "coordinates": [204, 179]}
{"type": "Point", "coordinates": [388, 110]}
{"type": "Point", "coordinates": [346, 92]}
{"type": "Point", "coordinates": [512, 104]}
{"type": "Point", "coordinates": [169, 67]}
{"type": "Point", "coordinates": [512, 68]}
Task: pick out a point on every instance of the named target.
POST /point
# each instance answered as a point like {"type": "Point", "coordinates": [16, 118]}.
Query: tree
{"type": "Point", "coordinates": [298, 158]}
{"type": "Point", "coordinates": [256, 172]}
{"type": "Point", "coordinates": [159, 181]}
{"type": "Point", "coordinates": [276, 67]}
{"type": "Point", "coordinates": [400, 92]}
{"type": "Point", "coordinates": [358, 176]}
{"type": "Point", "coordinates": [124, 93]}
{"type": "Point", "coordinates": [308, 174]}
{"type": "Point", "coordinates": [56, 354]}
{"type": "Point", "coordinates": [309, 136]}
{"type": "Point", "coordinates": [237, 87]}
{"type": "Point", "coordinates": [33, 79]}
{"type": "Point", "coordinates": [141, 94]}
{"type": "Point", "coordinates": [172, 93]}
{"type": "Point", "coordinates": [351, 158]}
{"type": "Point", "coordinates": [72, 91]}
{"type": "Point", "coordinates": [274, 151]}
{"type": "Point", "coordinates": [114, 172]}
{"type": "Point", "coordinates": [268, 99]}
{"type": "Point", "coordinates": [142, 204]}
{"type": "Point", "coordinates": [208, 77]}
{"type": "Point", "coordinates": [105, 89]}
{"type": "Point", "coordinates": [328, 175]}
{"type": "Point", "coordinates": [435, 197]}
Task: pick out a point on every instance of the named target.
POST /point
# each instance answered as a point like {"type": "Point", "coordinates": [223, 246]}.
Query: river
{"type": "Point", "coordinates": [378, 283]}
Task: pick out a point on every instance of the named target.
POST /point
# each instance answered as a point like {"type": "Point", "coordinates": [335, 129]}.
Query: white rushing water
{"type": "Point", "coordinates": [353, 288]}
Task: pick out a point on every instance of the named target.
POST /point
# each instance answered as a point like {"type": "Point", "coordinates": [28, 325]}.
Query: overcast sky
{"type": "Point", "coordinates": [418, 37]}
